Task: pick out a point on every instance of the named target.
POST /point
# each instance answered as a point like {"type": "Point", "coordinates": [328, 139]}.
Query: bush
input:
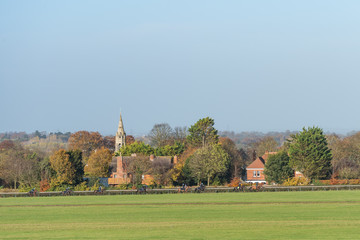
{"type": "Point", "coordinates": [44, 185]}
{"type": "Point", "coordinates": [81, 187]}
{"type": "Point", "coordinates": [296, 181]}
{"type": "Point", "coordinates": [234, 182]}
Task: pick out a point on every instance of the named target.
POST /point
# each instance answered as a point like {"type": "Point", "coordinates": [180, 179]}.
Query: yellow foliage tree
{"type": "Point", "coordinates": [65, 172]}
{"type": "Point", "coordinates": [98, 163]}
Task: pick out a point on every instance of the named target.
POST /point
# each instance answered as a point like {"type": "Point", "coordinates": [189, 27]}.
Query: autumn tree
{"type": "Point", "coordinates": [309, 153]}
{"type": "Point", "coordinates": [85, 141]}
{"type": "Point", "coordinates": [208, 161]}
{"type": "Point", "coordinates": [161, 135]}
{"type": "Point", "coordinates": [277, 168]}
{"type": "Point", "coordinates": [203, 133]}
{"type": "Point", "coordinates": [68, 167]}
{"type": "Point", "coordinates": [61, 164]}
{"type": "Point", "coordinates": [130, 139]}
{"type": "Point", "coordinates": [346, 156]}
{"type": "Point", "coordinates": [99, 163]}
{"type": "Point", "coordinates": [109, 143]}
{"type": "Point", "coordinates": [266, 144]}
{"type": "Point", "coordinates": [19, 165]}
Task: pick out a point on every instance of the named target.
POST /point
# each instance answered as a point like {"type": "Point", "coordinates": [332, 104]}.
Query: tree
{"type": "Point", "coordinates": [85, 141]}
{"type": "Point", "coordinates": [161, 135]}
{"type": "Point", "coordinates": [266, 144]}
{"type": "Point", "coordinates": [75, 158]}
{"type": "Point", "coordinates": [160, 170]}
{"type": "Point", "coordinates": [109, 143]}
{"type": "Point", "coordinates": [277, 168]}
{"type": "Point", "coordinates": [138, 148]}
{"type": "Point", "coordinates": [346, 156]}
{"type": "Point", "coordinates": [237, 157]}
{"type": "Point", "coordinates": [180, 134]}
{"type": "Point", "coordinates": [130, 139]}
{"type": "Point", "coordinates": [61, 164]}
{"type": "Point", "coordinates": [203, 133]}
{"type": "Point", "coordinates": [137, 167]}
{"type": "Point", "coordinates": [19, 166]}
{"type": "Point", "coordinates": [99, 163]}
{"type": "Point", "coordinates": [309, 153]}
{"type": "Point", "coordinates": [208, 161]}
{"type": "Point", "coordinates": [170, 150]}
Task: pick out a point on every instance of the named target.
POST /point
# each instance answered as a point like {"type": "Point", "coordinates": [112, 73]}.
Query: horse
{"type": "Point", "coordinates": [200, 189]}
{"type": "Point", "coordinates": [67, 192]}
{"type": "Point", "coordinates": [142, 189]}
{"type": "Point", "coordinates": [183, 190]}
{"type": "Point", "coordinates": [32, 193]}
{"type": "Point", "coordinates": [99, 192]}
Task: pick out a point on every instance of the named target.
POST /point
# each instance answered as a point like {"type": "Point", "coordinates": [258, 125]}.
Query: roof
{"type": "Point", "coordinates": [260, 161]}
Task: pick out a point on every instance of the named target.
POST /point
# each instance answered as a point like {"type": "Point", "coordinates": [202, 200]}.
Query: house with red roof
{"type": "Point", "coordinates": [255, 171]}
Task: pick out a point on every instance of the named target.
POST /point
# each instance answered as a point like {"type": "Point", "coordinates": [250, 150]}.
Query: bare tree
{"type": "Point", "coordinates": [180, 134]}
{"type": "Point", "coordinates": [160, 170]}
{"type": "Point", "coordinates": [161, 135]}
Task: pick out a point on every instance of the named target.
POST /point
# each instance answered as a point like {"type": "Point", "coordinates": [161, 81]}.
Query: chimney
{"type": "Point", "coordinates": [175, 159]}
{"type": "Point", "coordinates": [152, 157]}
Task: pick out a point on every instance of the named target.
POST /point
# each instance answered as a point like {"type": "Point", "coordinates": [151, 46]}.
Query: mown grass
{"type": "Point", "coordinates": [268, 215]}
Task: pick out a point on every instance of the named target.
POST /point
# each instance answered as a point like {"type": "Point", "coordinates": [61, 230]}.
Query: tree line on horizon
{"type": "Point", "coordinates": [204, 156]}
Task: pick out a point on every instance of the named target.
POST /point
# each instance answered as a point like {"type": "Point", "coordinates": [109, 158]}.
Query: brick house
{"type": "Point", "coordinates": [119, 175]}
{"type": "Point", "coordinates": [255, 171]}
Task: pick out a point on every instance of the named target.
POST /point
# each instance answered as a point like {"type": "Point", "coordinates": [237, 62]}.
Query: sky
{"type": "Point", "coordinates": [250, 65]}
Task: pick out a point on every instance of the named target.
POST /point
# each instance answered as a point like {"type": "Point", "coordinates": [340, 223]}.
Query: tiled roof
{"type": "Point", "coordinates": [256, 164]}
{"type": "Point", "coordinates": [260, 161]}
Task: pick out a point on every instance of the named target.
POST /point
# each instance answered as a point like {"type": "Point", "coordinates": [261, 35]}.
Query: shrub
{"type": "Point", "coordinates": [81, 187]}
{"type": "Point", "coordinates": [234, 182]}
{"type": "Point", "coordinates": [44, 185]}
{"type": "Point", "coordinates": [296, 181]}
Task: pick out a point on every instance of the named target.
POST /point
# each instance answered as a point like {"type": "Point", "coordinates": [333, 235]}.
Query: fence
{"type": "Point", "coordinates": [192, 190]}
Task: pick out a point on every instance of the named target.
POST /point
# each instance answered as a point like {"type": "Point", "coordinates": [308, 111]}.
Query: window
{"type": "Point", "coordinates": [114, 175]}
{"type": "Point", "coordinates": [254, 174]}
{"type": "Point", "coordinates": [258, 173]}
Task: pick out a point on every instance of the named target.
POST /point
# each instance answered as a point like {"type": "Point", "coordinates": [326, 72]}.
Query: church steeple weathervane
{"type": "Point", "coordinates": [120, 138]}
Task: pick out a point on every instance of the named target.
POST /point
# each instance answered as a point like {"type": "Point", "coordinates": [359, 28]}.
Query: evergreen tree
{"type": "Point", "coordinates": [75, 158]}
{"type": "Point", "coordinates": [203, 133]}
{"type": "Point", "coordinates": [309, 153]}
{"type": "Point", "coordinates": [277, 168]}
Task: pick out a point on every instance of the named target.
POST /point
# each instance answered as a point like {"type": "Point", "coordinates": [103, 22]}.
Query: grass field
{"type": "Point", "coordinates": [267, 215]}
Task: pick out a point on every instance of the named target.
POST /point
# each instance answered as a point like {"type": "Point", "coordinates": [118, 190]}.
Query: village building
{"type": "Point", "coordinates": [255, 171]}
{"type": "Point", "coordinates": [119, 164]}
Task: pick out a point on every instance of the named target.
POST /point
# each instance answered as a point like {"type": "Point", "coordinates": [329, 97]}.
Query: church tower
{"type": "Point", "coordinates": [120, 138]}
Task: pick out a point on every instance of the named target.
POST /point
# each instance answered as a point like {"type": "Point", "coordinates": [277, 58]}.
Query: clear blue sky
{"type": "Point", "coordinates": [250, 65]}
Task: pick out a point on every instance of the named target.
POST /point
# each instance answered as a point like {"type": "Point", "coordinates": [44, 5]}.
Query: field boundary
{"type": "Point", "coordinates": [209, 190]}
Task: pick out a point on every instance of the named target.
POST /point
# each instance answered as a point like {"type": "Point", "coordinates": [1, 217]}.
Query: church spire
{"type": "Point", "coordinates": [120, 138]}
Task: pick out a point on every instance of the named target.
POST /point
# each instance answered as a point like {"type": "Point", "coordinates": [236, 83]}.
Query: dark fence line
{"type": "Point", "coordinates": [192, 190]}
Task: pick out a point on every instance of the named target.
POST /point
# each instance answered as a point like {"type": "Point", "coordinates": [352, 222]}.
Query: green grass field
{"type": "Point", "coordinates": [267, 215]}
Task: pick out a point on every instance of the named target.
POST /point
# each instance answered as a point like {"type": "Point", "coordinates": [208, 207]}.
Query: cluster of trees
{"type": "Point", "coordinates": [203, 156]}
{"type": "Point", "coordinates": [307, 152]}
